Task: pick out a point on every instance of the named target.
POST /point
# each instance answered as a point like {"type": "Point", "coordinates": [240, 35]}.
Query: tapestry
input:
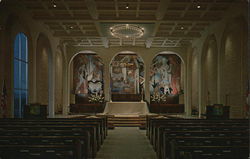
{"type": "Point", "coordinates": [165, 74]}
{"type": "Point", "coordinates": [127, 74]}
{"type": "Point", "coordinates": [88, 75]}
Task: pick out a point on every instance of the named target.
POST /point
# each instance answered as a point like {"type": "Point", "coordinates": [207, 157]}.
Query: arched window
{"type": "Point", "coordinates": [20, 74]}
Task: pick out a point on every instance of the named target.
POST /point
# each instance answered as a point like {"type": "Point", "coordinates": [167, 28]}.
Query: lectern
{"type": "Point", "coordinates": [35, 110]}
{"type": "Point", "coordinates": [217, 111]}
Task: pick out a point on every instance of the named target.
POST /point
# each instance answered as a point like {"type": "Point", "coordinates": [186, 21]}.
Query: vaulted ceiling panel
{"type": "Point", "coordinates": [173, 23]}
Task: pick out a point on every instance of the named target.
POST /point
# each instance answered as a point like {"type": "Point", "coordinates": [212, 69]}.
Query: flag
{"type": "Point", "coordinates": [247, 99]}
{"type": "Point", "coordinates": [3, 106]}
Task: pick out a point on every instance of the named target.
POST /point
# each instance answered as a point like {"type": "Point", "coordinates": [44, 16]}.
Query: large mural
{"type": "Point", "coordinates": [127, 74]}
{"type": "Point", "coordinates": [165, 75]}
{"type": "Point", "coordinates": [88, 75]}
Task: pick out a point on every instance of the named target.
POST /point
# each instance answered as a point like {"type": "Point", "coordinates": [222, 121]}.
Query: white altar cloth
{"type": "Point", "coordinates": [126, 108]}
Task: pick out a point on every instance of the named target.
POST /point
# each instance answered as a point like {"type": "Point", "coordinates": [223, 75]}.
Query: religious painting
{"type": "Point", "coordinates": [165, 74]}
{"type": "Point", "coordinates": [127, 74]}
{"type": "Point", "coordinates": [88, 75]}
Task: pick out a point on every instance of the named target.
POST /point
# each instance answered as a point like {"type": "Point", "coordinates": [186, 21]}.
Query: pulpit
{"type": "Point", "coordinates": [35, 110]}
{"type": "Point", "coordinates": [217, 111]}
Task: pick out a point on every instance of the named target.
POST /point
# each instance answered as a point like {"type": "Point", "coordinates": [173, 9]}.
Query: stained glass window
{"type": "Point", "coordinates": [20, 74]}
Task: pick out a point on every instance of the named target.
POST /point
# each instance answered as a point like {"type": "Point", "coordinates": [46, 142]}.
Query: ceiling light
{"type": "Point", "coordinates": [71, 27]}
{"type": "Point", "coordinates": [54, 4]}
{"type": "Point", "coordinates": [127, 6]}
{"type": "Point", "coordinates": [198, 6]}
{"type": "Point", "coordinates": [182, 28]}
{"type": "Point", "coordinates": [125, 31]}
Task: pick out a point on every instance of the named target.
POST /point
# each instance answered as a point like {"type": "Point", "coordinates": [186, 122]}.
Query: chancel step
{"type": "Point", "coordinates": [126, 121]}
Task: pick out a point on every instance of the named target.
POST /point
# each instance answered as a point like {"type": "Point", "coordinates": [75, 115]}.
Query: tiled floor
{"type": "Point", "coordinates": [126, 143]}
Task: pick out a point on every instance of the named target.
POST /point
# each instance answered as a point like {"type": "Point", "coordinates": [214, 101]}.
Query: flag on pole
{"type": "Point", "coordinates": [3, 106]}
{"type": "Point", "coordinates": [247, 98]}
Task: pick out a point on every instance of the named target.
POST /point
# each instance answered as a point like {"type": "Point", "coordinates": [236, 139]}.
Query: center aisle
{"type": "Point", "coordinates": [126, 143]}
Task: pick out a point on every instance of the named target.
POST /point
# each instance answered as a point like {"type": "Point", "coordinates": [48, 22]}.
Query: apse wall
{"type": "Point", "coordinates": [107, 55]}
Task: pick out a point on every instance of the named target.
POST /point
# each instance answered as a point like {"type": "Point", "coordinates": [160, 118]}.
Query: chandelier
{"type": "Point", "coordinates": [126, 31]}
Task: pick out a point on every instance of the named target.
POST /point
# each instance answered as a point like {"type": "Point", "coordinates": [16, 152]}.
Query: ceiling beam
{"type": "Point", "coordinates": [116, 9]}
{"type": "Point", "coordinates": [172, 19]}
{"type": "Point", "coordinates": [161, 10]}
{"type": "Point", "coordinates": [156, 28]}
{"type": "Point", "coordinates": [173, 28]}
{"type": "Point", "coordinates": [149, 42]}
{"type": "Point", "coordinates": [164, 42]}
{"type": "Point", "coordinates": [91, 5]}
{"type": "Point", "coordinates": [105, 42]}
{"type": "Point", "coordinates": [133, 42]}
{"type": "Point", "coordinates": [47, 8]}
{"type": "Point", "coordinates": [66, 36]}
{"type": "Point", "coordinates": [67, 8]}
{"type": "Point", "coordinates": [98, 28]}
{"type": "Point", "coordinates": [189, 28]}
{"type": "Point", "coordinates": [120, 41]}
{"type": "Point", "coordinates": [186, 10]}
{"type": "Point", "coordinates": [137, 8]}
{"type": "Point", "coordinates": [89, 41]}
{"type": "Point", "coordinates": [159, 15]}
{"type": "Point", "coordinates": [207, 9]}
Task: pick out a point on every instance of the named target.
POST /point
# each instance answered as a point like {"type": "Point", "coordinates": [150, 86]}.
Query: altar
{"type": "Point", "coordinates": [126, 108]}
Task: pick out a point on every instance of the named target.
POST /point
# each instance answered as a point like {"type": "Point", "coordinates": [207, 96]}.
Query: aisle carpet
{"type": "Point", "coordinates": [126, 143]}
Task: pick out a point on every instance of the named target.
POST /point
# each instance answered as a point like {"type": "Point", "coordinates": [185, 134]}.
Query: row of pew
{"type": "Point", "coordinates": [57, 138]}
{"type": "Point", "coordinates": [198, 138]}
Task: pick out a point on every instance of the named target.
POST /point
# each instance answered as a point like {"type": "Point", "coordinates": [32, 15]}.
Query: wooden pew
{"type": "Point", "coordinates": [99, 134]}
{"type": "Point", "coordinates": [89, 128]}
{"type": "Point", "coordinates": [52, 133]}
{"type": "Point", "coordinates": [158, 126]}
{"type": "Point", "coordinates": [43, 147]}
{"type": "Point", "coordinates": [158, 122]}
{"type": "Point", "coordinates": [101, 119]}
{"type": "Point", "coordinates": [173, 141]}
{"type": "Point", "coordinates": [97, 128]}
{"type": "Point", "coordinates": [195, 127]}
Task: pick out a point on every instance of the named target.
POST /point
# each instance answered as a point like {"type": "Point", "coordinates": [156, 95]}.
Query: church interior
{"type": "Point", "coordinates": [119, 79]}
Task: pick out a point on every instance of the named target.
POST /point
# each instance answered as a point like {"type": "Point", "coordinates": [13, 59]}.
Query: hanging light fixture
{"type": "Point", "coordinates": [54, 4]}
{"type": "Point", "coordinates": [127, 31]}
{"type": "Point", "coordinates": [127, 6]}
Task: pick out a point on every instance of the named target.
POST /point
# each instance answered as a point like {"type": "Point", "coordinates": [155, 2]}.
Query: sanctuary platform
{"type": "Point", "coordinates": [126, 108]}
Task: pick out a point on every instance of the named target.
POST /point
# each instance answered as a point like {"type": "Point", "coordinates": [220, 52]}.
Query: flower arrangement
{"type": "Point", "coordinates": [95, 98]}
{"type": "Point", "coordinates": [158, 98]}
